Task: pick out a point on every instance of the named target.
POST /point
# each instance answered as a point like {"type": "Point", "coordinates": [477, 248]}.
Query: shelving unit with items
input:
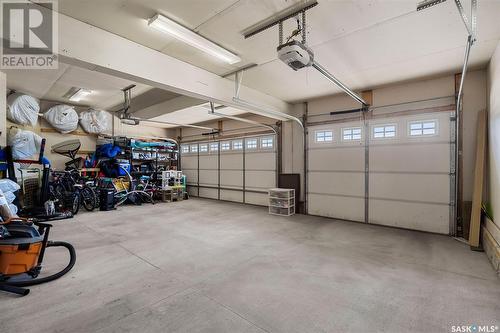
{"type": "Point", "coordinates": [282, 201]}
{"type": "Point", "coordinates": [151, 161]}
{"type": "Point", "coordinates": [173, 185]}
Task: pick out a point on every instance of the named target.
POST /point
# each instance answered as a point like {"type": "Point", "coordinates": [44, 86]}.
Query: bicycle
{"type": "Point", "coordinates": [88, 190]}
{"type": "Point", "coordinates": [64, 193]}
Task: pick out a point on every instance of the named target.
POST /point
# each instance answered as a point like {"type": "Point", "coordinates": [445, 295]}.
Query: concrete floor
{"type": "Point", "coordinates": [207, 266]}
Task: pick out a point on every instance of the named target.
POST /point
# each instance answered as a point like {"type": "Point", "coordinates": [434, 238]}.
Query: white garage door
{"type": "Point", "coordinates": [408, 172]}
{"type": "Point", "coordinates": [238, 169]}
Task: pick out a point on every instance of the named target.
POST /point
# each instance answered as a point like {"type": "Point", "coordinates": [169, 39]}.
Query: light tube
{"type": "Point", "coordinates": [79, 95]}
{"type": "Point", "coordinates": [166, 25]}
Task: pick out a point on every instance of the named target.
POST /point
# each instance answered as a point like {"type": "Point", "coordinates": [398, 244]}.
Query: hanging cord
{"type": "Point", "coordinates": [296, 32]}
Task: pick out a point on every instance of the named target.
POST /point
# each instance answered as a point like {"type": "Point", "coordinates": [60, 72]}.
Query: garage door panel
{"type": "Point", "coordinates": [192, 191]}
{"type": "Point", "coordinates": [409, 172]}
{"type": "Point", "coordinates": [209, 177]}
{"type": "Point", "coordinates": [231, 161]}
{"type": "Point", "coordinates": [236, 196]}
{"type": "Point", "coordinates": [340, 183]}
{"type": "Point", "coordinates": [190, 162]}
{"type": "Point", "coordinates": [407, 158]}
{"type": "Point", "coordinates": [191, 176]}
{"type": "Point", "coordinates": [418, 187]}
{"type": "Point", "coordinates": [231, 178]}
{"type": "Point", "coordinates": [346, 208]}
{"type": "Point", "coordinates": [208, 162]}
{"type": "Point", "coordinates": [350, 158]}
{"type": "Point", "coordinates": [416, 216]}
{"type": "Point", "coordinates": [256, 199]}
{"type": "Point", "coordinates": [209, 193]}
{"type": "Point", "coordinates": [260, 161]}
{"type": "Point", "coordinates": [260, 179]}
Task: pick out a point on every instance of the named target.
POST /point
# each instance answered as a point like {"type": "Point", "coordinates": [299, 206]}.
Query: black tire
{"type": "Point", "coordinates": [75, 202]}
{"type": "Point", "coordinates": [88, 199]}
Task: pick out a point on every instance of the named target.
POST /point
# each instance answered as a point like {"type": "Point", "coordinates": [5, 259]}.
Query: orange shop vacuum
{"type": "Point", "coordinates": [22, 249]}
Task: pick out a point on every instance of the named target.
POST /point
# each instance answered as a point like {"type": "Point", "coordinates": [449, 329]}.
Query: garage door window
{"type": "Point", "coordinates": [237, 145]}
{"type": "Point", "coordinates": [194, 148]}
{"type": "Point", "coordinates": [266, 143]}
{"type": "Point", "coordinates": [251, 143]}
{"type": "Point", "coordinates": [324, 136]}
{"type": "Point", "coordinates": [185, 149]}
{"type": "Point", "coordinates": [203, 148]}
{"type": "Point", "coordinates": [351, 134]}
{"type": "Point", "coordinates": [423, 128]}
{"type": "Point", "coordinates": [384, 131]}
{"type": "Point", "coordinates": [225, 146]}
{"type": "Point", "coordinates": [214, 146]}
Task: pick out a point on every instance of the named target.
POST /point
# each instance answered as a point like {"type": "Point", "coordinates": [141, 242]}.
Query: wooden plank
{"type": "Point", "coordinates": [368, 96]}
{"type": "Point", "coordinates": [493, 229]}
{"type": "Point", "coordinates": [477, 194]}
{"type": "Point", "coordinates": [77, 132]}
{"type": "Point", "coordinates": [492, 250]}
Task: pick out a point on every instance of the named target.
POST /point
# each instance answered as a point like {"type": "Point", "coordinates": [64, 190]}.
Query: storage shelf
{"type": "Point", "coordinates": [278, 206]}
{"type": "Point", "coordinates": [281, 201]}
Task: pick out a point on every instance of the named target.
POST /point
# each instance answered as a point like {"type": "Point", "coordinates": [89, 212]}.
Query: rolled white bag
{"type": "Point", "coordinates": [23, 109]}
{"type": "Point", "coordinates": [95, 121]}
{"type": "Point", "coordinates": [63, 118]}
{"type": "Point", "coordinates": [24, 144]}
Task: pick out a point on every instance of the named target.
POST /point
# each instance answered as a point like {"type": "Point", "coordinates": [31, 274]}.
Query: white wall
{"type": "Point", "coordinates": [494, 134]}
{"type": "Point", "coordinates": [230, 127]}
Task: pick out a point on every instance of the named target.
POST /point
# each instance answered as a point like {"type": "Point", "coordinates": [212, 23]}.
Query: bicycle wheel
{"type": "Point", "coordinates": [88, 199]}
{"type": "Point", "coordinates": [75, 202]}
{"type": "Point", "coordinates": [120, 198]}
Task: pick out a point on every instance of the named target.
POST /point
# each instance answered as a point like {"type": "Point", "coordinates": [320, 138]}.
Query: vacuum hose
{"type": "Point", "coordinates": [72, 260]}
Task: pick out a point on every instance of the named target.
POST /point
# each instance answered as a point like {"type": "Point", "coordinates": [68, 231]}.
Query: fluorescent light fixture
{"type": "Point", "coordinates": [166, 25]}
{"type": "Point", "coordinates": [79, 94]}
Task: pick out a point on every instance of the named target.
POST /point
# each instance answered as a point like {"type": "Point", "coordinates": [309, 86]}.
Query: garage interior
{"type": "Point", "coordinates": [270, 166]}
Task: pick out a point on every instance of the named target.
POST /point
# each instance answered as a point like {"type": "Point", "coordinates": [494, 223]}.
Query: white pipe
{"type": "Point", "coordinates": [266, 111]}
{"type": "Point", "coordinates": [470, 41]}
{"type": "Point", "coordinates": [244, 120]}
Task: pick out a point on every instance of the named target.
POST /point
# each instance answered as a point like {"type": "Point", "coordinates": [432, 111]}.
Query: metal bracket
{"type": "Point", "coordinates": [471, 25]}
{"type": "Point", "coordinates": [238, 78]}
{"type": "Point", "coordinates": [279, 18]}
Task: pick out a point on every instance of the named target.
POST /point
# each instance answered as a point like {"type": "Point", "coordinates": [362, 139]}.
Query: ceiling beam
{"type": "Point", "coordinates": [87, 46]}
{"type": "Point", "coordinates": [172, 105]}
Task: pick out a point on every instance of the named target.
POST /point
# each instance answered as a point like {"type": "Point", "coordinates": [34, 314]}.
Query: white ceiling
{"type": "Point", "coordinates": [365, 43]}
{"type": "Point", "coordinates": [52, 85]}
